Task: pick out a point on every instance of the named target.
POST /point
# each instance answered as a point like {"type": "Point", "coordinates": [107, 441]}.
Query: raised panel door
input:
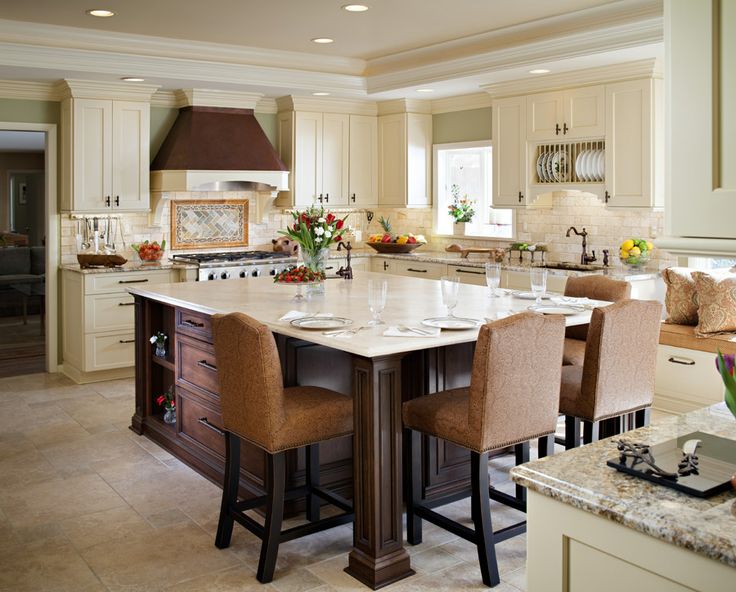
{"type": "Point", "coordinates": [585, 113]}
{"type": "Point", "coordinates": [363, 160]}
{"type": "Point", "coordinates": [509, 152]}
{"type": "Point", "coordinates": [308, 158]}
{"type": "Point", "coordinates": [544, 116]}
{"type": "Point", "coordinates": [418, 164]}
{"type": "Point", "coordinates": [335, 150]}
{"type": "Point", "coordinates": [392, 160]}
{"type": "Point", "coordinates": [130, 155]}
{"type": "Point", "coordinates": [92, 168]}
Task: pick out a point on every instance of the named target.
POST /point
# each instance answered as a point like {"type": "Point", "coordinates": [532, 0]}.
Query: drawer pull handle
{"type": "Point", "coordinates": [126, 303]}
{"type": "Point", "coordinates": [683, 361]}
{"type": "Point", "coordinates": [127, 341]}
{"type": "Point", "coordinates": [132, 281]}
{"type": "Point", "coordinates": [207, 424]}
{"type": "Point", "coordinates": [471, 272]}
{"type": "Point", "coordinates": [189, 323]}
{"type": "Point", "coordinates": [416, 270]}
{"type": "Point", "coordinates": [204, 364]}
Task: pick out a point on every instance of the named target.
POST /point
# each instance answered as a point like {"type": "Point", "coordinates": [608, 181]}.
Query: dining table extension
{"type": "Point", "coordinates": [320, 340]}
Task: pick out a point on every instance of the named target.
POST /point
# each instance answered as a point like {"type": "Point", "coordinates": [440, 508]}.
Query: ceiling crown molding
{"type": "Point", "coordinates": [649, 68]}
{"type": "Point", "coordinates": [404, 106]}
{"type": "Point", "coordinates": [29, 91]}
{"type": "Point", "coordinates": [325, 104]}
{"type": "Point", "coordinates": [92, 89]}
{"type": "Point", "coordinates": [201, 97]}
{"type": "Point", "coordinates": [461, 103]}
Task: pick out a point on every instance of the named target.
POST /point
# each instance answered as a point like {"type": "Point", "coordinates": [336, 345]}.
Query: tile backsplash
{"type": "Point", "coordinates": [607, 227]}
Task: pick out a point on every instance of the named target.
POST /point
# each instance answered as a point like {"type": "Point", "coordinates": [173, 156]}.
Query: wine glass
{"type": "Point", "coordinates": [493, 277]}
{"type": "Point", "coordinates": [538, 277]}
{"type": "Point", "coordinates": [450, 286]}
{"type": "Point", "coordinates": [377, 292]}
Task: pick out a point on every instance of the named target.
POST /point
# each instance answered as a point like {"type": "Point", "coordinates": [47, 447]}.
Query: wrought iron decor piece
{"type": "Point", "coordinates": [209, 223]}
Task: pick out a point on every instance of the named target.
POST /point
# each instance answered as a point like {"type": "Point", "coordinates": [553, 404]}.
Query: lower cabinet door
{"type": "Point", "coordinates": [105, 351]}
{"type": "Point", "coordinates": [197, 420]}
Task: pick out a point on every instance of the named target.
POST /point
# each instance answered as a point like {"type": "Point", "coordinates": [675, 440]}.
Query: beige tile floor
{"type": "Point", "coordinates": [86, 505]}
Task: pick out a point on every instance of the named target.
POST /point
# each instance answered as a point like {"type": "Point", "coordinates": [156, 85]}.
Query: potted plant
{"type": "Point", "coordinates": [159, 339]}
{"type": "Point", "coordinates": [460, 210]}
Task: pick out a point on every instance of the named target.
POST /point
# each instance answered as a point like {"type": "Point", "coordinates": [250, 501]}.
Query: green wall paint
{"type": "Point", "coordinates": [462, 126]}
{"type": "Point", "coordinates": [21, 110]}
{"type": "Point", "coordinates": [162, 118]}
{"type": "Point", "coordinates": [269, 123]}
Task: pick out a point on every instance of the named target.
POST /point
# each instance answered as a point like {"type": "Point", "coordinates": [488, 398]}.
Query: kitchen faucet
{"type": "Point", "coordinates": [584, 257]}
{"type": "Point", "coordinates": [345, 272]}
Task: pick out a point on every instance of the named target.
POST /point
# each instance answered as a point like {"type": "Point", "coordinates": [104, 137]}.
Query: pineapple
{"type": "Point", "coordinates": [385, 224]}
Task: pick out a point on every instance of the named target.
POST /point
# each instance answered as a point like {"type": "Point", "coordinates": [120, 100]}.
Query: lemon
{"type": "Point", "coordinates": [623, 254]}
{"type": "Point", "coordinates": [402, 240]}
{"type": "Point", "coordinates": [634, 251]}
{"type": "Point", "coordinates": [627, 245]}
{"type": "Point", "coordinates": [650, 246]}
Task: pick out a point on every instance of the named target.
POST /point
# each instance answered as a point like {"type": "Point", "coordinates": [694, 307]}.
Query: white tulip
{"type": "Point", "coordinates": [319, 231]}
{"type": "Point", "coordinates": [317, 240]}
{"type": "Point", "coordinates": [328, 234]}
{"type": "Point", "coordinates": [321, 220]}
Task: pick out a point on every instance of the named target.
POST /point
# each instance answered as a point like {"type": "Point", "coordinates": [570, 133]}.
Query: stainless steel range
{"type": "Point", "coordinates": [236, 264]}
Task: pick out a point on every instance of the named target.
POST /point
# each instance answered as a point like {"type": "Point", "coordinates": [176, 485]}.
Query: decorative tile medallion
{"type": "Point", "coordinates": [209, 223]}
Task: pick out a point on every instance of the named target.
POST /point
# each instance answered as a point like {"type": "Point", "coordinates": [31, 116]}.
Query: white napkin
{"type": "Point", "coordinates": [498, 315]}
{"type": "Point", "coordinates": [299, 314]}
{"type": "Point", "coordinates": [393, 331]}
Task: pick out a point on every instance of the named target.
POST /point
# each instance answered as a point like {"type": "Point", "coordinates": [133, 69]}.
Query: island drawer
{"type": "Point", "coordinates": [200, 422]}
{"type": "Point", "coordinates": [195, 365]}
{"type": "Point", "coordinates": [192, 323]}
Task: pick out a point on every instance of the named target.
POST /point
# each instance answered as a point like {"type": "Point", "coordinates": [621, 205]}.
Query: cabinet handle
{"type": "Point", "coordinates": [521, 197]}
{"type": "Point", "coordinates": [320, 198]}
{"type": "Point", "coordinates": [127, 341]}
{"type": "Point", "coordinates": [327, 198]}
{"type": "Point", "coordinates": [204, 364]}
{"type": "Point", "coordinates": [385, 266]}
{"type": "Point", "coordinates": [607, 197]}
{"type": "Point", "coordinates": [557, 129]}
{"type": "Point", "coordinates": [207, 424]}
{"type": "Point", "coordinates": [416, 270]}
{"type": "Point", "coordinates": [352, 198]}
{"type": "Point", "coordinates": [683, 361]}
{"type": "Point", "coordinates": [471, 272]}
{"type": "Point", "coordinates": [564, 129]}
{"type": "Point", "coordinates": [107, 201]}
{"type": "Point", "coordinates": [117, 200]}
{"type": "Point", "coordinates": [132, 281]}
{"type": "Point", "coordinates": [126, 303]}
{"type": "Point", "coordinates": [190, 323]}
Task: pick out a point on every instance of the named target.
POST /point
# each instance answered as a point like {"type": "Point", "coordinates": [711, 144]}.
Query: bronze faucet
{"type": "Point", "coordinates": [585, 259]}
{"type": "Point", "coordinates": [346, 272]}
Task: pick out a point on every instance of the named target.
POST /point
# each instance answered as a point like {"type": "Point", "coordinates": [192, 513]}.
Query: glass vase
{"type": "Point", "coordinates": [160, 350]}
{"type": "Point", "coordinates": [317, 262]}
{"type": "Point", "coordinates": [170, 415]}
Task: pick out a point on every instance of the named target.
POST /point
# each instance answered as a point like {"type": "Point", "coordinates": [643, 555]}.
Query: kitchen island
{"type": "Point", "coordinates": [585, 519]}
{"type": "Point", "coordinates": [379, 371]}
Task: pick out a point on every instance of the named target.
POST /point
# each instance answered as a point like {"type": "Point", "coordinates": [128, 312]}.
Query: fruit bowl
{"type": "Point", "coordinates": [150, 252]}
{"type": "Point", "coordinates": [635, 262]}
{"type": "Point", "coordinates": [635, 252]}
{"type": "Point", "coordinates": [394, 247]}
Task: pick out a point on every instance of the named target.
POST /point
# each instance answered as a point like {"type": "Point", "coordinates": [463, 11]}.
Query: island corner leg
{"type": "Point", "coordinates": [378, 557]}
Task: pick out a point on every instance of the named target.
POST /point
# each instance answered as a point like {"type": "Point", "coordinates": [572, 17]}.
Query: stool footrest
{"type": "Point", "coordinates": [507, 499]}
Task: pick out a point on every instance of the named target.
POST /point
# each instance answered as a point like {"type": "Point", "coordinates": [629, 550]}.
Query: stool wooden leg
{"type": "Point", "coordinates": [546, 446]}
{"type": "Point", "coordinates": [413, 484]}
{"type": "Point", "coordinates": [521, 451]}
{"type": "Point", "coordinates": [276, 484]}
{"type": "Point", "coordinates": [591, 431]}
{"type": "Point", "coordinates": [229, 490]}
{"type": "Point", "coordinates": [481, 505]}
{"type": "Point", "coordinates": [312, 470]}
{"type": "Point", "coordinates": [642, 417]}
{"type": "Point", "coordinates": [572, 432]}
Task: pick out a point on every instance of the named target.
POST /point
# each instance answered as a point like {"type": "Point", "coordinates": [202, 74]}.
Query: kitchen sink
{"type": "Point", "coordinates": [574, 267]}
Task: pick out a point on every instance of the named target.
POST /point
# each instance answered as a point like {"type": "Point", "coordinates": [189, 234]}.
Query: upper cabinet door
{"type": "Point", "coordinates": [335, 146]}
{"type": "Point", "coordinates": [130, 155]}
{"type": "Point", "coordinates": [308, 158]}
{"type": "Point", "coordinates": [392, 164]}
{"type": "Point", "coordinates": [584, 113]}
{"type": "Point", "coordinates": [363, 161]}
{"type": "Point", "coordinates": [544, 116]}
{"type": "Point", "coordinates": [92, 155]}
{"type": "Point", "coordinates": [509, 152]}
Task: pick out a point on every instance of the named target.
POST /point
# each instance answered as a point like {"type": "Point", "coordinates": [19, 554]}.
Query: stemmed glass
{"type": "Point", "coordinates": [450, 286]}
{"type": "Point", "coordinates": [538, 277]}
{"type": "Point", "coordinates": [493, 277]}
{"type": "Point", "coordinates": [377, 292]}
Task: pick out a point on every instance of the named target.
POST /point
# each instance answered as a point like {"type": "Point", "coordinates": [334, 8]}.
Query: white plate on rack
{"type": "Point", "coordinates": [321, 323]}
{"type": "Point", "coordinates": [601, 165]}
{"type": "Point", "coordinates": [557, 309]}
{"type": "Point", "coordinates": [578, 167]}
{"type": "Point", "coordinates": [559, 166]}
{"type": "Point", "coordinates": [539, 167]}
{"type": "Point", "coordinates": [452, 323]}
{"type": "Point", "coordinates": [543, 165]}
{"type": "Point", "coordinates": [588, 166]}
{"type": "Point", "coordinates": [581, 165]}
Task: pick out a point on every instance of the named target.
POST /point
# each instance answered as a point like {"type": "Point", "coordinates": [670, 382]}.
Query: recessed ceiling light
{"type": "Point", "coordinates": [322, 40]}
{"type": "Point", "coordinates": [132, 79]}
{"type": "Point", "coordinates": [355, 7]}
{"type": "Point", "coordinates": [100, 12]}
{"type": "Point", "coordinates": [539, 71]}
{"type": "Point", "coordinates": [321, 94]}
{"type": "Point", "coordinates": [425, 90]}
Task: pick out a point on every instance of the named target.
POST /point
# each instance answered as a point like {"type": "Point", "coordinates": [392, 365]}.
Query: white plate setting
{"type": "Point", "coordinates": [452, 323]}
{"type": "Point", "coordinates": [321, 323]}
{"type": "Point", "coordinates": [529, 296]}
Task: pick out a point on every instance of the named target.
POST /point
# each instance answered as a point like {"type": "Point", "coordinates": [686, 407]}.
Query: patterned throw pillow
{"type": "Point", "coordinates": [716, 303]}
{"type": "Point", "coordinates": [681, 298]}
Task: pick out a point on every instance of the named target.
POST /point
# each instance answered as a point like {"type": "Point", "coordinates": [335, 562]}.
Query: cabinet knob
{"type": "Point", "coordinates": [352, 198]}
{"type": "Point", "coordinates": [327, 198]}
{"type": "Point", "coordinates": [564, 129]}
{"type": "Point", "coordinates": [107, 201]}
{"type": "Point", "coordinates": [557, 129]}
{"type": "Point", "coordinates": [607, 197]}
{"type": "Point", "coordinates": [117, 200]}
{"type": "Point", "coordinates": [385, 266]}
{"type": "Point", "coordinates": [521, 197]}
{"type": "Point", "coordinates": [320, 198]}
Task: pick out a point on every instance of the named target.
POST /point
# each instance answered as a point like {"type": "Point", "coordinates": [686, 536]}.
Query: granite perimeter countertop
{"type": "Point", "coordinates": [580, 478]}
{"type": "Point", "coordinates": [129, 266]}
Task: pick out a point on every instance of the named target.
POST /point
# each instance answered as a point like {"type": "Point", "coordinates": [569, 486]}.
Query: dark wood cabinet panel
{"type": "Point", "coordinates": [194, 324]}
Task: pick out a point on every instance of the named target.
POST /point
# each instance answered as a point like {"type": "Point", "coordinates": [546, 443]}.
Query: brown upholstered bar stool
{"type": "Point", "coordinates": [513, 398]}
{"type": "Point", "coordinates": [256, 407]}
{"type": "Point", "coordinates": [596, 287]}
{"type": "Point", "coordinates": [617, 376]}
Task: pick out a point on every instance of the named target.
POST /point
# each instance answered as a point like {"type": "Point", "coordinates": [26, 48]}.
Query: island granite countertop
{"type": "Point", "coordinates": [580, 478]}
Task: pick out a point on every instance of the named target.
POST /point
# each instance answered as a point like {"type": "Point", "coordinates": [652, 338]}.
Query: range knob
{"type": "Point", "coordinates": [211, 276]}
{"type": "Point", "coordinates": [243, 274]}
{"type": "Point", "coordinates": [272, 272]}
{"type": "Point", "coordinates": [255, 272]}
{"type": "Point", "coordinates": [225, 275]}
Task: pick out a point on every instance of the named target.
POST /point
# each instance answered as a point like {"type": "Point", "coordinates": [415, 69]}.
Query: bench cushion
{"type": "Point", "coordinates": [681, 298]}
{"type": "Point", "coordinates": [684, 336]}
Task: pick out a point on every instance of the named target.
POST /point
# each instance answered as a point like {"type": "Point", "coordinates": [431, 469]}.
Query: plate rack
{"type": "Point", "coordinates": [571, 162]}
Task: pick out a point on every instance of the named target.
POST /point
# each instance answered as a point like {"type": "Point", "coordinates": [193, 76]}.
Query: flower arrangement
{"type": "Point", "coordinates": [160, 340]}
{"type": "Point", "coordinates": [315, 229]}
{"type": "Point", "coordinates": [167, 400]}
{"type": "Point", "coordinates": [725, 365]}
{"type": "Point", "coordinates": [461, 210]}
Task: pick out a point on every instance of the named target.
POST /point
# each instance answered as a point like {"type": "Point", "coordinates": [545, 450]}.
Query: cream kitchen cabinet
{"type": "Point", "coordinates": [404, 165]}
{"type": "Point", "coordinates": [420, 269]}
{"type": "Point", "coordinates": [363, 161]}
{"type": "Point", "coordinates": [565, 115]}
{"type": "Point", "coordinates": [634, 140]}
{"type": "Point", "coordinates": [468, 274]}
{"type": "Point", "coordinates": [519, 280]}
{"type": "Point", "coordinates": [383, 265]}
{"type": "Point", "coordinates": [509, 152]}
{"type": "Point", "coordinates": [98, 326]}
{"type": "Point", "coordinates": [105, 160]}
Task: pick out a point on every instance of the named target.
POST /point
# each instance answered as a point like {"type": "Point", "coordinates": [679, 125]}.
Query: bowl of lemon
{"type": "Point", "coordinates": [635, 252]}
